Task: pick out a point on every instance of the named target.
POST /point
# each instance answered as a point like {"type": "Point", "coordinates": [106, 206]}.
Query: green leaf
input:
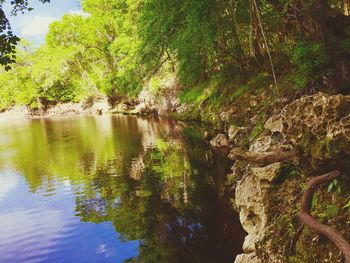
{"type": "Point", "coordinates": [335, 181]}
{"type": "Point", "coordinates": [330, 187]}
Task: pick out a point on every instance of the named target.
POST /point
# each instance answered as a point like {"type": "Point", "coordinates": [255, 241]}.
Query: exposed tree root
{"type": "Point", "coordinates": [260, 158]}
{"type": "Point", "coordinates": [319, 228]}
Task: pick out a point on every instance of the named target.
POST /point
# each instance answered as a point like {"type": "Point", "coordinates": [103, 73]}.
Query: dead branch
{"type": "Point", "coordinates": [261, 158]}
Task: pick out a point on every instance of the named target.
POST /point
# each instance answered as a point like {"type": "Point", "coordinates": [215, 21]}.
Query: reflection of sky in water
{"type": "Point", "coordinates": [36, 228]}
{"type": "Point", "coordinates": [7, 183]}
{"type": "Point", "coordinates": [82, 189]}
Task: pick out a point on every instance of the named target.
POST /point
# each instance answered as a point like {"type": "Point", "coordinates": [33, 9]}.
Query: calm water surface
{"type": "Point", "coordinates": [112, 189]}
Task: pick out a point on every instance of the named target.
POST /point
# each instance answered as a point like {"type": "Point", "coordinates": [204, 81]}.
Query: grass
{"type": "Point", "coordinates": [195, 94]}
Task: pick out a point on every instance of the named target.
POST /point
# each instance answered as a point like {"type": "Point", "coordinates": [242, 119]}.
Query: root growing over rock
{"type": "Point", "coordinates": [319, 228]}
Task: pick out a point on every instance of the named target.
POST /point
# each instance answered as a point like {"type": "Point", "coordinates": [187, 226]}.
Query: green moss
{"type": "Point", "coordinates": [258, 81]}
{"type": "Point", "coordinates": [195, 94]}
{"type": "Point", "coordinates": [288, 170]}
{"type": "Point", "coordinates": [257, 130]}
{"type": "Point", "coordinates": [323, 150]}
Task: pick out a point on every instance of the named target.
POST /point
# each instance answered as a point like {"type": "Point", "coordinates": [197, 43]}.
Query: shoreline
{"type": "Point", "coordinates": [59, 110]}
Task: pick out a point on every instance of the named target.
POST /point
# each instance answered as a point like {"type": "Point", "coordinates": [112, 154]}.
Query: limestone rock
{"type": "Point", "coordinates": [250, 195]}
{"type": "Point", "coordinates": [168, 94]}
{"type": "Point", "coordinates": [269, 173]}
{"type": "Point", "coordinates": [219, 141]}
{"type": "Point", "coordinates": [160, 100]}
{"type": "Point", "coordinates": [319, 123]}
{"type": "Point", "coordinates": [320, 115]}
{"type": "Point", "coordinates": [253, 200]}
{"type": "Point", "coordinates": [233, 131]}
{"type": "Point", "coordinates": [275, 142]}
{"type": "Point", "coordinates": [101, 106]}
{"type": "Point", "coordinates": [247, 258]}
{"type": "Point", "coordinates": [144, 110]}
{"type": "Point", "coordinates": [262, 144]}
{"type": "Point", "coordinates": [236, 134]}
{"type": "Point", "coordinates": [274, 124]}
{"type": "Point", "coordinates": [238, 170]}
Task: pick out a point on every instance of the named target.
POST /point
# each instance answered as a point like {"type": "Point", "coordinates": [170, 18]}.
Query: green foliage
{"type": "Point", "coordinates": [201, 35]}
{"type": "Point", "coordinates": [257, 130]}
{"type": "Point", "coordinates": [83, 56]}
{"type": "Point", "coordinates": [309, 60]}
{"type": "Point", "coordinates": [289, 169]}
{"type": "Point", "coordinates": [347, 205]}
{"type": "Point", "coordinates": [257, 81]}
{"type": "Point", "coordinates": [334, 185]}
{"type": "Point", "coordinates": [329, 211]}
{"type": "Point", "coordinates": [218, 50]}
{"type": "Point", "coordinates": [196, 94]}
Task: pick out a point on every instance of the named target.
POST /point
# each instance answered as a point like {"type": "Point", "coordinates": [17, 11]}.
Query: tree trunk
{"type": "Point", "coordinates": [346, 7]}
{"type": "Point", "coordinates": [332, 33]}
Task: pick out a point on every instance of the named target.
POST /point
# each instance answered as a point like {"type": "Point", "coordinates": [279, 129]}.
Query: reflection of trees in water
{"type": "Point", "coordinates": [71, 149]}
{"type": "Point", "coordinates": [171, 208]}
{"type": "Point", "coordinates": [152, 179]}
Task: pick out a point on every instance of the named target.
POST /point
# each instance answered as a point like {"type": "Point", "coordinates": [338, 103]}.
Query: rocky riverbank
{"type": "Point", "coordinates": [308, 137]}
{"type": "Point", "coordinates": [276, 151]}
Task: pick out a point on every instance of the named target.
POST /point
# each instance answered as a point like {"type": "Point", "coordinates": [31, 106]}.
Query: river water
{"type": "Point", "coordinates": [112, 189]}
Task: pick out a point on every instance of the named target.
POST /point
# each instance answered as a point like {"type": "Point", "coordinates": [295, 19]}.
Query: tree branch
{"type": "Point", "coordinates": [261, 158]}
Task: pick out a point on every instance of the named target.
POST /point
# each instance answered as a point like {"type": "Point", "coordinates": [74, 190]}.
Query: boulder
{"type": "Point", "coordinates": [252, 211]}
{"type": "Point", "coordinates": [236, 134]}
{"type": "Point", "coordinates": [268, 173]}
{"type": "Point", "coordinates": [219, 141]}
{"type": "Point", "coordinates": [248, 258]}
{"type": "Point", "coordinates": [233, 131]}
{"type": "Point", "coordinates": [262, 144]}
{"type": "Point", "coordinates": [253, 195]}
{"type": "Point", "coordinates": [274, 124]}
{"type": "Point", "coordinates": [319, 124]}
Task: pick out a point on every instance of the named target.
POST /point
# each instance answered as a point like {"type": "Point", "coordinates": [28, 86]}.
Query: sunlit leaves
{"type": "Point", "coordinates": [8, 40]}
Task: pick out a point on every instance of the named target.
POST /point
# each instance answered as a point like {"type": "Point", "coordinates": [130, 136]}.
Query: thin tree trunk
{"type": "Point", "coordinates": [346, 7]}
{"type": "Point", "coordinates": [266, 44]}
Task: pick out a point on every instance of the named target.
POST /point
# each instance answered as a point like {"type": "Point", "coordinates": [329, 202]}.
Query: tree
{"type": "Point", "coordinates": [8, 40]}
